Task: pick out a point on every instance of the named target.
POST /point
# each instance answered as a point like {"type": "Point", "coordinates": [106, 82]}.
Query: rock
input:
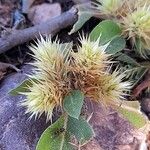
{"type": "Point", "coordinates": [41, 13]}
{"type": "Point", "coordinates": [112, 131]}
{"type": "Point", "coordinates": [26, 4]}
{"type": "Point", "coordinates": [17, 132]}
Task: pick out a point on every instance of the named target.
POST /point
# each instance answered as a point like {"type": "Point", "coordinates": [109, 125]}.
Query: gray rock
{"type": "Point", "coordinates": [17, 132]}
{"type": "Point", "coordinates": [112, 130]}
{"type": "Point", "coordinates": [43, 12]}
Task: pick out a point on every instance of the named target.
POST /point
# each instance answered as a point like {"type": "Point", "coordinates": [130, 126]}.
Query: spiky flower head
{"type": "Point", "coordinates": [92, 73]}
{"type": "Point", "coordinates": [40, 100]}
{"type": "Point", "coordinates": [111, 9]}
{"type": "Point", "coordinates": [52, 54]}
{"type": "Point", "coordinates": [137, 25]}
{"type": "Point", "coordinates": [112, 88]}
{"type": "Point", "coordinates": [51, 64]}
{"type": "Point", "coordinates": [58, 70]}
{"type": "Point", "coordinates": [91, 55]}
{"type": "Point", "coordinates": [141, 3]}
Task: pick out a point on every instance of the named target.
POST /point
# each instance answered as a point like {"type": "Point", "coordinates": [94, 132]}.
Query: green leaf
{"type": "Point", "coordinates": [83, 17]}
{"type": "Point", "coordinates": [134, 117]}
{"type": "Point", "coordinates": [134, 70]}
{"type": "Point", "coordinates": [23, 87]}
{"type": "Point", "coordinates": [139, 49]}
{"type": "Point", "coordinates": [131, 111]}
{"type": "Point", "coordinates": [116, 45]}
{"type": "Point", "coordinates": [81, 129]}
{"type": "Point", "coordinates": [55, 137]}
{"type": "Point", "coordinates": [127, 59]}
{"type": "Point", "coordinates": [106, 30]}
{"type": "Point", "coordinates": [73, 102]}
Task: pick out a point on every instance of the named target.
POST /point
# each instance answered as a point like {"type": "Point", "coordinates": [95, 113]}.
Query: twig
{"type": "Point", "coordinates": [52, 26]}
{"type": "Point", "coordinates": [142, 86]}
{"type": "Point", "coordinates": [4, 66]}
{"type": "Point", "coordinates": [81, 1]}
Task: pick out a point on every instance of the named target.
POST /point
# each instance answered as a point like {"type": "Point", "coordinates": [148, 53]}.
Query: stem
{"type": "Point", "coordinates": [66, 121]}
{"type": "Point", "coordinates": [65, 127]}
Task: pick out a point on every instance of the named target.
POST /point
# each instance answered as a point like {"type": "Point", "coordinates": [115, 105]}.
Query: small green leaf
{"type": "Point", "coordinates": [55, 137]}
{"type": "Point", "coordinates": [131, 104]}
{"type": "Point", "coordinates": [106, 30]}
{"type": "Point", "coordinates": [23, 87]}
{"type": "Point", "coordinates": [134, 117]}
{"type": "Point", "coordinates": [83, 17]}
{"type": "Point", "coordinates": [131, 111]}
{"type": "Point", "coordinates": [81, 129]}
{"type": "Point", "coordinates": [116, 45]}
{"type": "Point", "coordinates": [73, 102]}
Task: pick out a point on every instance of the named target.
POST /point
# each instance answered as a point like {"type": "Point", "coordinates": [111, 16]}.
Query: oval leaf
{"type": "Point", "coordinates": [55, 137]}
{"type": "Point", "coordinates": [81, 129]}
{"type": "Point", "coordinates": [73, 102]}
{"type": "Point", "coordinates": [116, 45]}
{"type": "Point", "coordinates": [106, 30]}
{"type": "Point", "coordinates": [131, 111]}
{"type": "Point", "coordinates": [83, 17]}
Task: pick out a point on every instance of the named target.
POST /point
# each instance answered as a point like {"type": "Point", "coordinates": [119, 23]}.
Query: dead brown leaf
{"type": "Point", "coordinates": [5, 14]}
